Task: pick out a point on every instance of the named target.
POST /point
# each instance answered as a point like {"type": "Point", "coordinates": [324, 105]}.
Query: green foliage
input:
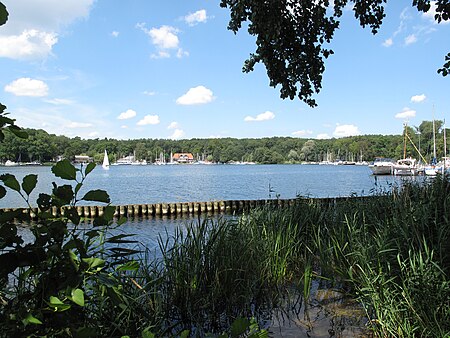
{"type": "Point", "coordinates": [63, 279]}
{"type": "Point", "coordinates": [40, 146]}
{"type": "Point", "coordinates": [3, 14]}
{"type": "Point", "coordinates": [6, 122]}
{"type": "Point", "coordinates": [292, 37]}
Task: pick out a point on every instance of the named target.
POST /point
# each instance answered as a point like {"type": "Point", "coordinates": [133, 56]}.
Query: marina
{"type": "Point", "coordinates": [128, 185]}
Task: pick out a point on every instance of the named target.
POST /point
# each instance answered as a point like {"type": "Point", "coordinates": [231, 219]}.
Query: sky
{"type": "Point", "coordinates": [171, 69]}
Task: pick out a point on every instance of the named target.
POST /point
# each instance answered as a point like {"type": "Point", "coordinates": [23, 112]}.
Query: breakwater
{"type": "Point", "coordinates": [178, 208]}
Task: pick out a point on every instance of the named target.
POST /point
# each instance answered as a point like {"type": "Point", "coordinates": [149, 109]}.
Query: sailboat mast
{"type": "Point", "coordinates": [445, 147]}
{"type": "Point", "coordinates": [404, 142]}
{"type": "Point", "coordinates": [434, 140]}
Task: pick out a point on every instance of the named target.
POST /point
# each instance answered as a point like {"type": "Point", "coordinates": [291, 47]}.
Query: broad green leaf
{"type": "Point", "coordinates": [239, 327]}
{"type": "Point", "coordinates": [2, 191]}
{"type": "Point", "coordinates": [97, 196]}
{"type": "Point", "coordinates": [78, 187]}
{"type": "Point", "coordinates": [184, 334]}
{"type": "Point", "coordinates": [147, 334]}
{"type": "Point", "coordinates": [29, 319]}
{"type": "Point", "coordinates": [78, 297]}
{"type": "Point", "coordinates": [57, 305]}
{"type": "Point", "coordinates": [94, 262]}
{"type": "Point", "coordinates": [89, 168]}
{"type": "Point", "coordinates": [65, 170]}
{"type": "Point", "coordinates": [109, 211]}
{"type": "Point", "coordinates": [55, 300]}
{"type": "Point", "coordinates": [63, 193]}
{"type": "Point", "coordinates": [18, 132]}
{"type": "Point", "coordinates": [29, 183]}
{"type": "Point", "coordinates": [10, 181]}
{"type": "Point", "coordinates": [129, 266]}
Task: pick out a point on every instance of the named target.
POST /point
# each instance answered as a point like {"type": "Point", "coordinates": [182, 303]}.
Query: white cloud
{"type": "Point", "coordinates": [406, 113]}
{"type": "Point", "coordinates": [196, 95]}
{"type": "Point", "coordinates": [181, 53]}
{"type": "Point", "coordinates": [93, 134]}
{"type": "Point", "coordinates": [115, 34]}
{"type": "Point", "coordinates": [193, 19]}
{"type": "Point", "coordinates": [33, 26]}
{"type": "Point", "coordinates": [177, 134]}
{"type": "Point", "coordinates": [73, 125]}
{"type": "Point", "coordinates": [146, 92]}
{"type": "Point", "coordinates": [388, 42]}
{"type": "Point", "coordinates": [164, 38]}
{"type": "Point", "coordinates": [268, 115]}
{"type": "Point", "coordinates": [30, 44]}
{"type": "Point", "coordinates": [60, 101]}
{"type": "Point", "coordinates": [302, 132]}
{"type": "Point", "coordinates": [345, 130]}
{"type": "Point", "coordinates": [410, 39]}
{"type": "Point", "coordinates": [323, 136]}
{"type": "Point", "coordinates": [160, 55]}
{"type": "Point", "coordinates": [149, 119]}
{"type": "Point", "coordinates": [173, 125]}
{"type": "Point", "coordinates": [127, 115]}
{"type": "Point", "coordinates": [418, 98]}
{"type": "Point", "coordinates": [124, 127]}
{"type": "Point", "coordinates": [27, 87]}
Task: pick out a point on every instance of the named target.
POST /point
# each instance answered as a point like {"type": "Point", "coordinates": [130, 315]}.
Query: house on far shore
{"type": "Point", "coordinates": [82, 159]}
{"type": "Point", "coordinates": [183, 158]}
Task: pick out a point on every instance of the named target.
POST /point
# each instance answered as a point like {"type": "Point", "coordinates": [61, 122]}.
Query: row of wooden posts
{"type": "Point", "coordinates": [174, 209]}
{"type": "Point", "coordinates": [166, 209]}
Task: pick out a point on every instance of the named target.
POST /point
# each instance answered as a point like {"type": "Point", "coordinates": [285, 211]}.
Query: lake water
{"type": "Point", "coordinates": [189, 183]}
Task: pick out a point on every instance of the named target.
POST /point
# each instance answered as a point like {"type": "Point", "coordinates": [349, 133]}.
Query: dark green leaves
{"type": "Point", "coordinates": [89, 168]}
{"type": "Point", "coordinates": [29, 183]}
{"type": "Point", "coordinates": [10, 181]}
{"type": "Point", "coordinates": [65, 170]}
{"type": "Point", "coordinates": [97, 196]}
{"type": "Point", "coordinates": [445, 70]}
{"type": "Point", "coordinates": [3, 14]}
{"type": "Point", "coordinates": [18, 131]}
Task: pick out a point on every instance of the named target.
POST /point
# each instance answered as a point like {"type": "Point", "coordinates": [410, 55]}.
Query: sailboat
{"type": "Point", "coordinates": [105, 164]}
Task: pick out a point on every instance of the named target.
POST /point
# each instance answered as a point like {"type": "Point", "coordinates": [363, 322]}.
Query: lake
{"type": "Point", "coordinates": [189, 183]}
{"type": "Point", "coordinates": [184, 183]}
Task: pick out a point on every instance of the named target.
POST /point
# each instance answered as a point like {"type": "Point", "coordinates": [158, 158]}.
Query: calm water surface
{"type": "Point", "coordinates": [179, 183]}
{"type": "Point", "coordinates": [189, 183]}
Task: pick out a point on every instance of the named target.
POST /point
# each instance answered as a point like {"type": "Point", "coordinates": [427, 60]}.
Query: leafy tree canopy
{"type": "Point", "coordinates": [3, 14]}
{"type": "Point", "coordinates": [291, 36]}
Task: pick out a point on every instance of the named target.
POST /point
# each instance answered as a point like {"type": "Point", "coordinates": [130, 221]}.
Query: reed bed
{"type": "Point", "coordinates": [390, 252]}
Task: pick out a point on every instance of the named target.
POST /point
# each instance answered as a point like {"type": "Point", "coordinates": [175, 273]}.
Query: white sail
{"type": "Point", "coordinates": [105, 164]}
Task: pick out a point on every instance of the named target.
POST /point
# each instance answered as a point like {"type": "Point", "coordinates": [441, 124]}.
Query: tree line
{"type": "Point", "coordinates": [44, 147]}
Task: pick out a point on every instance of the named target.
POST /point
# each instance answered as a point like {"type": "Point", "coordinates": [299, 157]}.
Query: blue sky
{"type": "Point", "coordinates": [171, 69]}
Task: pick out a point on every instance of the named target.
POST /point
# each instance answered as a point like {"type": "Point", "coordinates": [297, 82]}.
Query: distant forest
{"type": "Point", "coordinates": [43, 147]}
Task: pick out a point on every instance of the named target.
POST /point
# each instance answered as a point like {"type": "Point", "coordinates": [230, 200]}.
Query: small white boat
{"type": "Point", "coordinates": [105, 164]}
{"type": "Point", "coordinates": [382, 166]}
{"type": "Point", "coordinates": [9, 163]}
{"type": "Point", "coordinates": [406, 167]}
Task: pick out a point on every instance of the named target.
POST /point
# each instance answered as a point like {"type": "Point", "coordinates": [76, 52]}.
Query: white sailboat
{"type": "Point", "coordinates": [105, 164]}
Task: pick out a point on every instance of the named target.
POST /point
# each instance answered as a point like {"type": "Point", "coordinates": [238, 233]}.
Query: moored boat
{"type": "Point", "coordinates": [406, 167]}
{"type": "Point", "coordinates": [382, 166]}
